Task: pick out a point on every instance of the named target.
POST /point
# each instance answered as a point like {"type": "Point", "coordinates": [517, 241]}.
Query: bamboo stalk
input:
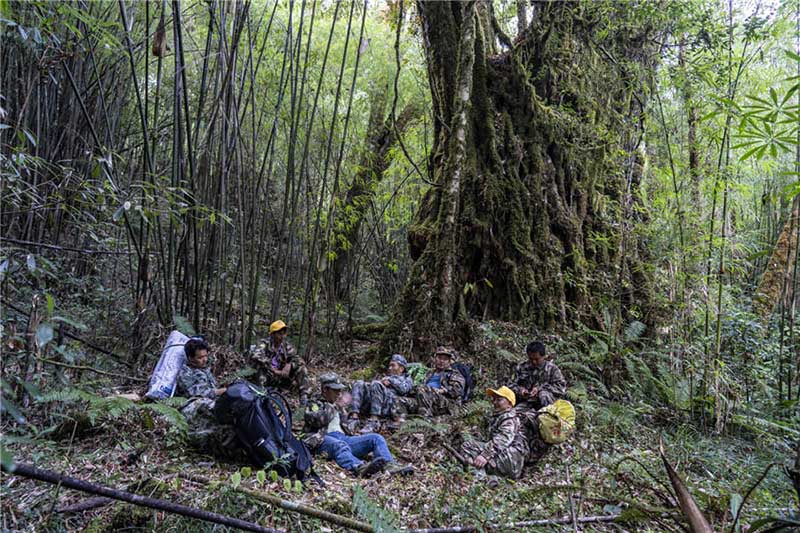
{"type": "Point", "coordinates": [292, 506]}
{"type": "Point", "coordinates": [47, 476]}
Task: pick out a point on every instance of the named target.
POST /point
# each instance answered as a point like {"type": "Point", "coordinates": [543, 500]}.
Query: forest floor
{"type": "Point", "coordinates": [610, 466]}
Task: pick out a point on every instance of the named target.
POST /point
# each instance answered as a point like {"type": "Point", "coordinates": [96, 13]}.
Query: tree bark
{"type": "Point", "coordinates": [527, 161]}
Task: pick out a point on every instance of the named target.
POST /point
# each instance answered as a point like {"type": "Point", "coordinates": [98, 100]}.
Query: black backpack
{"type": "Point", "coordinates": [466, 371]}
{"type": "Point", "coordinates": [263, 424]}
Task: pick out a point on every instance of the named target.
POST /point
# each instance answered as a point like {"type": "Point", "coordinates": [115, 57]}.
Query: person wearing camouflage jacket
{"type": "Point", "coordinates": [195, 381]}
{"type": "Point", "coordinates": [378, 398]}
{"type": "Point", "coordinates": [442, 390]}
{"type": "Point", "coordinates": [537, 382]}
{"type": "Point", "coordinates": [506, 449]}
{"type": "Point", "coordinates": [278, 364]}
{"type": "Point", "coordinates": [327, 433]}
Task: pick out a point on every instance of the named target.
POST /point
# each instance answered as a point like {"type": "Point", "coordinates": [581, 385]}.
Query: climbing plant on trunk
{"type": "Point", "coordinates": [533, 168]}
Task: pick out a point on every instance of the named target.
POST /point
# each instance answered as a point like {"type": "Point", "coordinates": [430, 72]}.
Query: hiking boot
{"type": "Point", "coordinates": [371, 468]}
{"type": "Point", "coordinates": [395, 469]}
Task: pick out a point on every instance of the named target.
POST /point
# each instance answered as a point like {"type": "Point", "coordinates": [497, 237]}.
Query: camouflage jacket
{"type": "Point", "coordinates": [264, 353]}
{"type": "Point", "coordinates": [452, 383]}
{"type": "Point", "coordinates": [318, 414]}
{"type": "Point", "coordinates": [547, 378]}
{"type": "Point", "coordinates": [194, 382]}
{"type": "Point", "coordinates": [505, 434]}
{"type": "Point", "coordinates": [401, 384]}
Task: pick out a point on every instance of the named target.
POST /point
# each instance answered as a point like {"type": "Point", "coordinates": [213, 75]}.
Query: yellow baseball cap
{"type": "Point", "coordinates": [504, 392]}
{"type": "Point", "coordinates": [276, 326]}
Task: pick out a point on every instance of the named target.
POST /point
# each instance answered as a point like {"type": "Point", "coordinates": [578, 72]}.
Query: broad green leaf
{"type": "Point", "coordinates": [51, 304]}
{"type": "Point", "coordinates": [735, 504]}
{"type": "Point", "coordinates": [70, 322]}
{"type": "Point", "coordinates": [236, 479]}
{"type": "Point", "coordinates": [273, 475]}
{"type": "Point", "coordinates": [287, 484]}
{"type": "Point", "coordinates": [261, 477]}
{"type": "Point", "coordinates": [246, 471]}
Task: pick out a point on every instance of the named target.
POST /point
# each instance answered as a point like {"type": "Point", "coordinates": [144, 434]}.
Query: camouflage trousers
{"type": "Point", "coordinates": [508, 463]}
{"type": "Point", "coordinates": [208, 435]}
{"type": "Point", "coordinates": [297, 381]}
{"type": "Point", "coordinates": [530, 426]}
{"type": "Point", "coordinates": [374, 399]}
{"type": "Point", "coordinates": [425, 401]}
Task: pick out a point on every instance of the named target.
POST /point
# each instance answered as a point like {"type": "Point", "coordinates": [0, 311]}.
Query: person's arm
{"type": "Point", "coordinates": [402, 384]}
{"type": "Point", "coordinates": [555, 384]}
{"type": "Point", "coordinates": [502, 437]}
{"type": "Point", "coordinates": [454, 388]}
{"type": "Point", "coordinates": [518, 385]}
{"type": "Point", "coordinates": [318, 415]}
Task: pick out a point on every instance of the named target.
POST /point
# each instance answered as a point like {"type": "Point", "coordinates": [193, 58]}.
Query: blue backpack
{"type": "Point", "coordinates": [263, 425]}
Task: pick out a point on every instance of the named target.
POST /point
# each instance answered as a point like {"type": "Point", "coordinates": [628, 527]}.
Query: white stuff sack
{"type": "Point", "coordinates": [162, 382]}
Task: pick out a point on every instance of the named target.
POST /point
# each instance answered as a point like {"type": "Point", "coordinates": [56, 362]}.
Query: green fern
{"type": "Point", "coordinates": [382, 520]}
{"type": "Point", "coordinates": [98, 408]}
{"type": "Point", "coordinates": [422, 425]}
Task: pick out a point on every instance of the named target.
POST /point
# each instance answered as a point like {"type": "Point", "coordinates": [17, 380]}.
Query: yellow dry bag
{"type": "Point", "coordinates": [556, 422]}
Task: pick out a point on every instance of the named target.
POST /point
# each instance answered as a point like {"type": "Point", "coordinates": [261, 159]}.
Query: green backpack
{"type": "Point", "coordinates": [417, 372]}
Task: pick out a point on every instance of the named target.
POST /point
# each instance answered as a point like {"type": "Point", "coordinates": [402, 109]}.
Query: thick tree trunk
{"type": "Point", "coordinates": [523, 221]}
{"type": "Point", "coordinates": [777, 276]}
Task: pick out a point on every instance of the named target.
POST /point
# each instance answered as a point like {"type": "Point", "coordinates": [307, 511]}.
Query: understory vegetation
{"type": "Point", "coordinates": [620, 180]}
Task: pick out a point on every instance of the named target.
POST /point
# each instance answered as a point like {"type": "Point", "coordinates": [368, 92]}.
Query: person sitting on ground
{"type": "Point", "coordinates": [195, 378]}
{"type": "Point", "coordinates": [442, 390]}
{"type": "Point", "coordinates": [377, 398]}
{"type": "Point", "coordinates": [323, 419]}
{"type": "Point", "coordinates": [196, 382]}
{"type": "Point", "coordinates": [504, 452]}
{"type": "Point", "coordinates": [537, 382]}
{"type": "Point", "coordinates": [278, 364]}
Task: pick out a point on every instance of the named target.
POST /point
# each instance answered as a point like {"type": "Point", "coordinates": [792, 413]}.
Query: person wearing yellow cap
{"type": "Point", "coordinates": [504, 451]}
{"type": "Point", "coordinates": [277, 362]}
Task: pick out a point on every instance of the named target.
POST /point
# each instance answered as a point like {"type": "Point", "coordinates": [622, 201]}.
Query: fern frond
{"type": "Point", "coordinates": [422, 425]}
{"type": "Point", "coordinates": [382, 520]}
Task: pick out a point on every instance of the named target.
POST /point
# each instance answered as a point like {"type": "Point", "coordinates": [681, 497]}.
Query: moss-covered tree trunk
{"type": "Point", "coordinates": [526, 218]}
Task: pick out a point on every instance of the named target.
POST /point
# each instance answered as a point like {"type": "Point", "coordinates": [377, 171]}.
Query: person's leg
{"type": "Point", "coordinates": [545, 398]}
{"type": "Point", "coordinates": [373, 443]}
{"type": "Point", "coordinates": [300, 382]}
{"type": "Point", "coordinates": [358, 397]}
{"type": "Point", "coordinates": [377, 397]}
{"type": "Point", "coordinates": [426, 397]}
{"type": "Point", "coordinates": [338, 449]}
{"type": "Point", "coordinates": [471, 449]}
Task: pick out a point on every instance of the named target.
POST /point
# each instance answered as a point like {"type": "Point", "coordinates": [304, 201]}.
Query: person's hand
{"type": "Point", "coordinates": [480, 461]}
{"type": "Point", "coordinates": [221, 391]}
{"type": "Point", "coordinates": [523, 392]}
{"type": "Point", "coordinates": [386, 382]}
{"type": "Point", "coordinates": [533, 392]}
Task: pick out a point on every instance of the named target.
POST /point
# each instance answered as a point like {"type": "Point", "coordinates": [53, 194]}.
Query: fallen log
{"type": "Point", "coordinates": [288, 505]}
{"type": "Point", "coordinates": [31, 472]}
{"type": "Point", "coordinates": [517, 525]}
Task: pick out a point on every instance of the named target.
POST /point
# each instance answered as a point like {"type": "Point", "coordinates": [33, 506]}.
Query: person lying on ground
{"type": "Point", "coordinates": [325, 434]}
{"type": "Point", "coordinates": [278, 364]}
{"type": "Point", "coordinates": [442, 390]}
{"type": "Point", "coordinates": [506, 448]}
{"type": "Point", "coordinates": [377, 399]}
{"type": "Point", "coordinates": [537, 382]}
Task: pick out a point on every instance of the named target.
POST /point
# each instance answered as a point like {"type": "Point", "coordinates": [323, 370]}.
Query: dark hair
{"type": "Point", "coordinates": [535, 347]}
{"type": "Point", "coordinates": [193, 345]}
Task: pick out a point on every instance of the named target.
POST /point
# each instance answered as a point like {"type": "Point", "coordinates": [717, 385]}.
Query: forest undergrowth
{"type": "Point", "coordinates": [611, 466]}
